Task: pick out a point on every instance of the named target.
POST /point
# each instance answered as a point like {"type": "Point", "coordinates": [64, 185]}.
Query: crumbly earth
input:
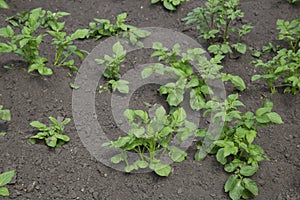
{"type": "Point", "coordinates": [71, 172]}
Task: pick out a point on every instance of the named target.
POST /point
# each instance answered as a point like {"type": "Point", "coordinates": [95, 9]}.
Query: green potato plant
{"type": "Point", "coordinates": [215, 24]}
{"type": "Point", "coordinates": [5, 178]}
{"type": "Point", "coordinates": [112, 68]}
{"type": "Point", "coordinates": [26, 43]}
{"type": "Point", "coordinates": [52, 134]}
{"type": "Point", "coordinates": [104, 28]}
{"type": "Point", "coordinates": [64, 45]}
{"type": "Point", "coordinates": [169, 4]}
{"type": "Point", "coordinates": [3, 4]}
{"type": "Point", "coordinates": [5, 116]}
{"type": "Point", "coordinates": [234, 147]}
{"type": "Point", "coordinates": [151, 138]}
{"type": "Point", "coordinates": [179, 65]}
{"type": "Point", "coordinates": [285, 65]}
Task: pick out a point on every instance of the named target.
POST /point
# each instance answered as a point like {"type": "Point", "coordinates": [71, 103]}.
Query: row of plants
{"type": "Point", "coordinates": [150, 136]}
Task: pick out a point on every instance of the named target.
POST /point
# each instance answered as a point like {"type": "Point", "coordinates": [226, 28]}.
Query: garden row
{"type": "Point", "coordinates": [150, 136]}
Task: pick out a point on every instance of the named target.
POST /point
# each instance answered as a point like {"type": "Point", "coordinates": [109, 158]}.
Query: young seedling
{"type": "Point", "coordinates": [215, 24]}
{"type": "Point", "coordinates": [52, 134]}
{"type": "Point", "coordinates": [104, 28]}
{"type": "Point", "coordinates": [5, 116]}
{"type": "Point", "coordinates": [169, 4]}
{"type": "Point", "coordinates": [179, 66]}
{"type": "Point", "coordinates": [3, 4]}
{"type": "Point", "coordinates": [234, 147]}
{"type": "Point", "coordinates": [289, 32]}
{"type": "Point", "coordinates": [151, 137]}
{"type": "Point", "coordinates": [112, 68]}
{"type": "Point", "coordinates": [5, 178]}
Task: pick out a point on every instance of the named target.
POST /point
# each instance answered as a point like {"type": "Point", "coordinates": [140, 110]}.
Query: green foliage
{"type": "Point", "coordinates": [285, 65]}
{"type": "Point", "coordinates": [3, 4]}
{"type": "Point", "coordinates": [5, 178]}
{"type": "Point", "coordinates": [215, 24]}
{"type": "Point", "coordinates": [289, 32]}
{"type": "Point", "coordinates": [104, 28]}
{"type": "Point", "coordinates": [64, 44]}
{"type": "Point", "coordinates": [169, 4]}
{"type": "Point", "coordinates": [52, 134]}
{"type": "Point", "coordinates": [179, 66]}
{"type": "Point", "coordinates": [26, 43]}
{"type": "Point", "coordinates": [112, 68]}
{"type": "Point", "coordinates": [150, 137]}
{"type": "Point", "coordinates": [234, 147]}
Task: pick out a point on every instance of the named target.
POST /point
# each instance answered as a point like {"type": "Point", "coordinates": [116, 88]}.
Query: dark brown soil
{"type": "Point", "coordinates": [71, 172]}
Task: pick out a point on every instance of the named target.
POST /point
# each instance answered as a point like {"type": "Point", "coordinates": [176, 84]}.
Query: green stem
{"type": "Point", "coordinates": [225, 36]}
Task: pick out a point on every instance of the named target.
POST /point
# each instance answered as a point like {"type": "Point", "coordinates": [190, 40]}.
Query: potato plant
{"type": "Point", "coordinates": [186, 77]}
{"type": "Point", "coordinates": [104, 28]}
{"type": "Point", "coordinates": [151, 138]}
{"type": "Point", "coordinates": [285, 65]}
{"type": "Point", "coordinates": [112, 68]}
{"type": "Point", "coordinates": [169, 4]}
{"type": "Point", "coordinates": [234, 147]}
{"type": "Point", "coordinates": [215, 20]}
{"type": "Point", "coordinates": [52, 134]}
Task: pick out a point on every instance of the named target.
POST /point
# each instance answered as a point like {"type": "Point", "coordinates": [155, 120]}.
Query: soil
{"type": "Point", "coordinates": [71, 172]}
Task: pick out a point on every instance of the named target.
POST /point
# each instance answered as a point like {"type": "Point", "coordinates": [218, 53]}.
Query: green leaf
{"type": "Point", "coordinates": [5, 115]}
{"type": "Point", "coordinates": [248, 170]}
{"type": "Point", "coordinates": [200, 155]}
{"type": "Point", "coordinates": [255, 77]}
{"type": "Point", "coordinates": [230, 183]}
{"type": "Point", "coordinates": [117, 158]}
{"type": "Point", "coordinates": [176, 154]}
{"type": "Point", "coordinates": [251, 186]}
{"type": "Point", "coordinates": [2, 133]}
{"type": "Point", "coordinates": [240, 47]}
{"type": "Point", "coordinates": [80, 34]}
{"type": "Point", "coordinates": [237, 191]}
{"type": "Point", "coordinates": [72, 86]}
{"type": "Point", "coordinates": [64, 138]}
{"type": "Point", "coordinates": [178, 117]}
{"type": "Point", "coordinates": [3, 190]}
{"type": "Point", "coordinates": [168, 5]}
{"type": "Point", "coordinates": [6, 177]}
{"type": "Point", "coordinates": [275, 118]}
{"type": "Point", "coordinates": [38, 125]}
{"type": "Point", "coordinates": [141, 164]}
{"type": "Point", "coordinates": [118, 50]}
{"type": "Point", "coordinates": [51, 141]}
{"type": "Point", "coordinates": [220, 156]}
{"type": "Point", "coordinates": [161, 169]}
{"type": "Point", "coordinates": [3, 4]}
{"type": "Point", "coordinates": [121, 86]}
{"type": "Point", "coordinates": [250, 136]}
{"type": "Point", "coordinates": [147, 72]}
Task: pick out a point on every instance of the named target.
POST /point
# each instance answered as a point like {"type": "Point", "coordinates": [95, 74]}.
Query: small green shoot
{"type": "Point", "coordinates": [52, 134]}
